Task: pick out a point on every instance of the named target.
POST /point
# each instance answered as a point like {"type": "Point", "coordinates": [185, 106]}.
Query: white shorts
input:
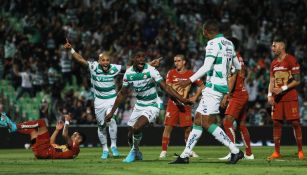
{"type": "Point", "coordinates": [149, 112]}
{"type": "Point", "coordinates": [209, 103]}
{"type": "Point", "coordinates": [101, 110]}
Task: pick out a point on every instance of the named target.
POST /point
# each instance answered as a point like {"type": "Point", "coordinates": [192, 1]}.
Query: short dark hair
{"type": "Point", "coordinates": [212, 26]}
{"type": "Point", "coordinates": [235, 42]}
{"type": "Point", "coordinates": [279, 38]}
{"type": "Point", "coordinates": [83, 137]}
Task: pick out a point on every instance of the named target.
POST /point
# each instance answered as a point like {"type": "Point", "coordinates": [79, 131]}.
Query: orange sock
{"type": "Point", "coordinates": [246, 139]}
{"type": "Point", "coordinates": [165, 142]}
{"type": "Point", "coordinates": [298, 134]}
{"type": "Point", "coordinates": [277, 127]}
{"type": "Point", "coordinates": [228, 127]}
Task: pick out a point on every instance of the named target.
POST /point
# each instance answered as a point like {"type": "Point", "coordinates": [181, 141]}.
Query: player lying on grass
{"type": "Point", "coordinates": [43, 146]}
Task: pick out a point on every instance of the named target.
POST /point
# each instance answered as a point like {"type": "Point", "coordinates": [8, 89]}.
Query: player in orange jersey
{"type": "Point", "coordinates": [43, 146]}
{"type": "Point", "coordinates": [177, 114]}
{"type": "Point", "coordinates": [236, 109]}
{"type": "Point", "coordinates": [282, 95]}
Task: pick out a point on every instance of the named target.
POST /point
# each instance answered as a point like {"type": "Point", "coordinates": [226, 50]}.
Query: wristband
{"type": "Point", "coordinates": [66, 122]}
{"type": "Point", "coordinates": [270, 94]}
{"type": "Point", "coordinates": [72, 51]}
{"type": "Point", "coordinates": [284, 88]}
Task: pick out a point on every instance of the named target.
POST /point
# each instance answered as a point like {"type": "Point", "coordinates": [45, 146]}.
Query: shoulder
{"type": "Point", "coordinates": [291, 58]}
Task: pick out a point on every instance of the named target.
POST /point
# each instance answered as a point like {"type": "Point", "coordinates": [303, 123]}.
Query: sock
{"type": "Point", "coordinates": [221, 136]}
{"type": "Point", "coordinates": [136, 140]}
{"type": "Point", "coordinates": [228, 126]}
{"type": "Point", "coordinates": [113, 132]}
{"type": "Point", "coordinates": [277, 127]}
{"type": "Point", "coordinates": [165, 142]}
{"type": "Point", "coordinates": [297, 134]}
{"type": "Point", "coordinates": [30, 126]}
{"type": "Point", "coordinates": [192, 140]}
{"type": "Point", "coordinates": [102, 135]}
{"type": "Point", "coordinates": [246, 139]}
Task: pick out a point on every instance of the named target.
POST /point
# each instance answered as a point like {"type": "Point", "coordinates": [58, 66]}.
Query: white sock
{"type": "Point", "coordinates": [136, 140]}
{"type": "Point", "coordinates": [221, 136]}
{"type": "Point", "coordinates": [113, 132]}
{"type": "Point", "coordinates": [192, 140]}
{"type": "Point", "coordinates": [102, 135]}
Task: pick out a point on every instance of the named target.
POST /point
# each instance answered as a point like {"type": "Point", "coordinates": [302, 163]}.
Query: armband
{"type": "Point", "coordinates": [72, 51]}
{"type": "Point", "coordinates": [284, 88]}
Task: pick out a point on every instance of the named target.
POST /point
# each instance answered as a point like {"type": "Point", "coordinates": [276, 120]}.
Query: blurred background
{"type": "Point", "coordinates": [32, 34]}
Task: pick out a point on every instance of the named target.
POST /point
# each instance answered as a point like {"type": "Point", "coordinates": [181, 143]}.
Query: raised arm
{"type": "Point", "coordinates": [75, 55]}
{"type": "Point", "coordinates": [58, 128]}
{"type": "Point", "coordinates": [65, 129]}
{"type": "Point", "coordinates": [119, 98]}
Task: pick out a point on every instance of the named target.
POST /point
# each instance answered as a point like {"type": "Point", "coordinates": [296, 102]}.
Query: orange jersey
{"type": "Point", "coordinates": [173, 76]}
{"type": "Point", "coordinates": [282, 72]}
{"type": "Point", "coordinates": [239, 87]}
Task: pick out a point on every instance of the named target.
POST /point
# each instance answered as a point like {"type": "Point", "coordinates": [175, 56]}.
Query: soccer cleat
{"type": "Point", "coordinates": [138, 155]}
{"type": "Point", "coordinates": [275, 155]}
{"type": "Point", "coordinates": [193, 154]}
{"type": "Point", "coordinates": [3, 120]}
{"type": "Point", "coordinates": [163, 154]}
{"type": "Point", "coordinates": [130, 157]}
{"type": "Point", "coordinates": [227, 157]}
{"type": "Point", "coordinates": [115, 152]}
{"type": "Point", "coordinates": [236, 157]}
{"type": "Point", "coordinates": [10, 124]}
{"type": "Point", "coordinates": [250, 157]}
{"type": "Point", "coordinates": [300, 155]}
{"type": "Point", "coordinates": [180, 160]}
{"type": "Point", "coordinates": [104, 155]}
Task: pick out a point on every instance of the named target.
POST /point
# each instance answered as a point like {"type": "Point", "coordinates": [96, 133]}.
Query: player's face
{"type": "Point", "coordinates": [139, 62]}
{"type": "Point", "coordinates": [205, 33]}
{"type": "Point", "coordinates": [179, 63]}
{"type": "Point", "coordinates": [277, 48]}
{"type": "Point", "coordinates": [104, 61]}
{"type": "Point", "coordinates": [76, 137]}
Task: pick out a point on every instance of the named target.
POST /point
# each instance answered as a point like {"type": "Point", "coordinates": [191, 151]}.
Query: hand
{"type": "Point", "coordinates": [67, 45]}
{"type": "Point", "coordinates": [108, 117]}
{"type": "Point", "coordinates": [224, 102]}
{"type": "Point", "coordinates": [276, 91]}
{"type": "Point", "coordinates": [67, 117]}
{"type": "Point", "coordinates": [193, 99]}
{"type": "Point", "coordinates": [155, 62]}
{"type": "Point", "coordinates": [271, 100]}
{"type": "Point", "coordinates": [183, 83]}
{"type": "Point", "coordinates": [59, 125]}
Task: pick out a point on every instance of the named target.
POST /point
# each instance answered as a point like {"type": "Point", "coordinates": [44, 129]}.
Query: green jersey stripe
{"type": "Point", "coordinates": [145, 105]}
{"type": "Point", "coordinates": [219, 88]}
{"type": "Point", "coordinates": [148, 97]}
{"type": "Point", "coordinates": [104, 89]}
{"type": "Point", "coordinates": [146, 87]}
{"type": "Point", "coordinates": [102, 79]}
{"type": "Point", "coordinates": [106, 97]}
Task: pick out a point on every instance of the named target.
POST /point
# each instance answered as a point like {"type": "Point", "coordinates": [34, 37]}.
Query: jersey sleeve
{"type": "Point", "coordinates": [294, 66]}
{"type": "Point", "coordinates": [169, 77]}
{"type": "Point", "coordinates": [236, 63]}
{"type": "Point", "coordinates": [92, 65]}
{"type": "Point", "coordinates": [125, 80]}
{"type": "Point", "coordinates": [156, 75]}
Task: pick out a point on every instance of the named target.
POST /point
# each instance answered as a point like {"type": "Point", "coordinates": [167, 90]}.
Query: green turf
{"type": "Point", "coordinates": [21, 161]}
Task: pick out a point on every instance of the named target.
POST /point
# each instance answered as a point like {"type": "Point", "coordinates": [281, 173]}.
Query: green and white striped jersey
{"type": "Point", "coordinates": [222, 51]}
{"type": "Point", "coordinates": [103, 82]}
{"type": "Point", "coordinates": [144, 84]}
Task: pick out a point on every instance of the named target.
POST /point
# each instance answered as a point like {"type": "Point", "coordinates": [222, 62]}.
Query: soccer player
{"type": "Point", "coordinates": [236, 109]}
{"type": "Point", "coordinates": [102, 79]}
{"type": "Point", "coordinates": [282, 95]}
{"type": "Point", "coordinates": [43, 146]}
{"type": "Point", "coordinates": [220, 55]}
{"type": "Point", "coordinates": [175, 112]}
{"type": "Point", "coordinates": [103, 82]}
{"type": "Point", "coordinates": [144, 79]}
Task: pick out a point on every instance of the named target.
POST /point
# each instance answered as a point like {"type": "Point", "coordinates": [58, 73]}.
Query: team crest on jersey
{"type": "Point", "coordinates": [111, 71]}
{"type": "Point", "coordinates": [145, 76]}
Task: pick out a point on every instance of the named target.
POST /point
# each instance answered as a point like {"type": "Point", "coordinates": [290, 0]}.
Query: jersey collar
{"type": "Point", "coordinates": [219, 35]}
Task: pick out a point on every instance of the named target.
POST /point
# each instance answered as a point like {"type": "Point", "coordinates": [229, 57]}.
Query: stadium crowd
{"type": "Point", "coordinates": [32, 35]}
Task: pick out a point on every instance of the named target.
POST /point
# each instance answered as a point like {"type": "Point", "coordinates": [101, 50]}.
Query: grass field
{"type": "Point", "coordinates": [22, 161]}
